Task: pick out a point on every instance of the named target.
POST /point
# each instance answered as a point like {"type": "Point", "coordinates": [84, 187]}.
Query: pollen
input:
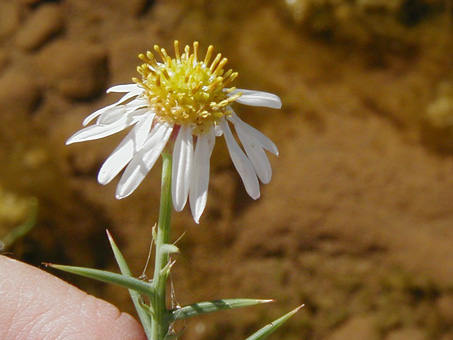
{"type": "Point", "coordinates": [187, 90]}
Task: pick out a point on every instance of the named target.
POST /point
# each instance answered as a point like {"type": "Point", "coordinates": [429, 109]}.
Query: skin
{"type": "Point", "coordinates": [35, 305]}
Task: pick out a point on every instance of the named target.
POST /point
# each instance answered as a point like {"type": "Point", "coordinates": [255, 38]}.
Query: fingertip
{"type": "Point", "coordinates": [41, 306]}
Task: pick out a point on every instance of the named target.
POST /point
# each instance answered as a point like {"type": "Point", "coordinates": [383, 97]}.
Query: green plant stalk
{"type": "Point", "coordinates": [160, 323]}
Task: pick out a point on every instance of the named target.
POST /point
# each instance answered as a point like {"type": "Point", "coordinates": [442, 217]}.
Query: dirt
{"type": "Point", "coordinates": [357, 222]}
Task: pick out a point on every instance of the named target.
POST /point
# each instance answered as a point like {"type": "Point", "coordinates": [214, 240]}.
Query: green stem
{"type": "Point", "coordinates": [160, 323]}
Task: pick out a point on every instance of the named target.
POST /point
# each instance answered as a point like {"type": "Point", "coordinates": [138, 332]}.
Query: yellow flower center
{"type": "Point", "coordinates": [185, 90]}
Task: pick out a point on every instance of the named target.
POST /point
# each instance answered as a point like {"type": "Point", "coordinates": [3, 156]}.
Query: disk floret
{"type": "Point", "coordinates": [185, 90]}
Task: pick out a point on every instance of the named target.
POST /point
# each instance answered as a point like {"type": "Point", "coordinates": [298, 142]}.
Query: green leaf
{"type": "Point", "coordinates": [211, 306]}
{"type": "Point", "coordinates": [267, 330]}
{"type": "Point", "coordinates": [143, 314]}
{"type": "Point", "coordinates": [22, 229]}
{"type": "Point", "coordinates": [109, 277]}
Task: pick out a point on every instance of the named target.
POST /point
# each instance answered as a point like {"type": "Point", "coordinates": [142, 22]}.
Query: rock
{"type": "Point", "coordinates": [19, 94]}
{"type": "Point", "coordinates": [30, 2]}
{"type": "Point", "coordinates": [10, 15]}
{"type": "Point", "coordinates": [447, 337]}
{"type": "Point", "coordinates": [363, 22]}
{"type": "Point", "coordinates": [3, 60]}
{"type": "Point", "coordinates": [123, 58]}
{"type": "Point", "coordinates": [77, 70]}
{"type": "Point", "coordinates": [368, 5]}
{"type": "Point", "coordinates": [438, 119]}
{"type": "Point", "coordinates": [440, 112]}
{"type": "Point", "coordinates": [359, 327]}
{"type": "Point", "coordinates": [132, 7]}
{"type": "Point", "coordinates": [444, 306]}
{"type": "Point", "coordinates": [43, 23]}
{"type": "Point", "coordinates": [14, 209]}
{"type": "Point", "coordinates": [406, 334]}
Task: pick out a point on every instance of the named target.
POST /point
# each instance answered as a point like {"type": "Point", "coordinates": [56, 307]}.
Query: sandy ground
{"type": "Point", "coordinates": [357, 222]}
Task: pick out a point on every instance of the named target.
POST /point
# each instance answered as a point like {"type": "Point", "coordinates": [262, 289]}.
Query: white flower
{"type": "Point", "coordinates": [181, 105]}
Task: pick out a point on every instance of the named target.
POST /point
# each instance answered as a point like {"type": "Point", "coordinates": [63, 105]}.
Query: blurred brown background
{"type": "Point", "coordinates": [357, 222]}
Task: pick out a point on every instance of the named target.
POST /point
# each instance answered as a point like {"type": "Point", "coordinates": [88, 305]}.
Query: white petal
{"type": "Point", "coordinates": [241, 162]}
{"type": "Point", "coordinates": [218, 131]}
{"type": "Point", "coordinates": [144, 160]}
{"type": "Point", "coordinates": [138, 113]}
{"type": "Point", "coordinates": [142, 133]}
{"type": "Point", "coordinates": [182, 165]}
{"type": "Point", "coordinates": [136, 104]}
{"type": "Point", "coordinates": [123, 154]}
{"type": "Point", "coordinates": [95, 132]}
{"type": "Point", "coordinates": [257, 156]}
{"type": "Point", "coordinates": [258, 135]}
{"type": "Point", "coordinates": [123, 112]}
{"type": "Point", "coordinates": [124, 88]}
{"type": "Point", "coordinates": [97, 113]}
{"type": "Point", "coordinates": [112, 115]}
{"type": "Point", "coordinates": [258, 98]}
{"type": "Point", "coordinates": [129, 95]}
{"type": "Point", "coordinates": [199, 183]}
{"type": "Point", "coordinates": [100, 131]}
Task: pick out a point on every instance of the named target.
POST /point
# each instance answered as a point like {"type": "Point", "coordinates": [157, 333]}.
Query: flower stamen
{"type": "Point", "coordinates": [177, 55]}
{"type": "Point", "coordinates": [185, 90]}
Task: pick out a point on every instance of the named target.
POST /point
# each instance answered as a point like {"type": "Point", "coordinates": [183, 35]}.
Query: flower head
{"type": "Point", "coordinates": [182, 104]}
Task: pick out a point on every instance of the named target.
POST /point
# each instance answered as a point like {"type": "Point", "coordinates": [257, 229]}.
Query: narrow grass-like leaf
{"type": "Point", "coordinates": [211, 306]}
{"type": "Point", "coordinates": [22, 229]}
{"type": "Point", "coordinates": [143, 314]}
{"type": "Point", "coordinates": [267, 330]}
{"type": "Point", "coordinates": [105, 276]}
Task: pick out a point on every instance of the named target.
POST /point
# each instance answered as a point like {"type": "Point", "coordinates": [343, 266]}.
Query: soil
{"type": "Point", "coordinates": [357, 222]}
